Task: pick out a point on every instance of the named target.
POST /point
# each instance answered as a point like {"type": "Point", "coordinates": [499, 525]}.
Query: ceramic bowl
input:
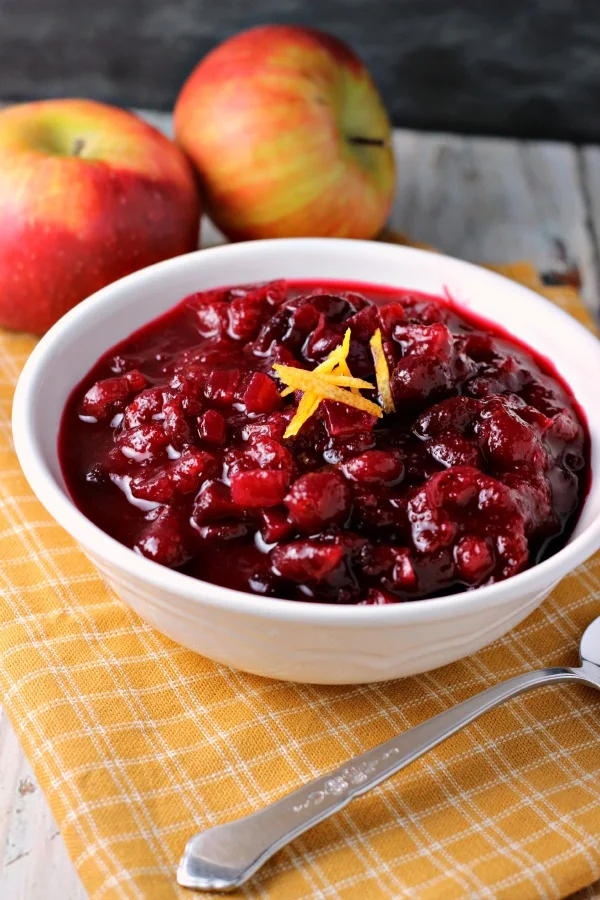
{"type": "Point", "coordinates": [301, 641]}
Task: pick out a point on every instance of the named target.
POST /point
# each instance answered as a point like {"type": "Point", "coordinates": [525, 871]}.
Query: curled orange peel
{"type": "Point", "coordinates": [382, 373]}
{"type": "Point", "coordinates": [331, 380]}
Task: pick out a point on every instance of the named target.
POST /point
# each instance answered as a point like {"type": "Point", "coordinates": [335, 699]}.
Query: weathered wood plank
{"type": "Point", "coordinates": [590, 173]}
{"type": "Point", "coordinates": [36, 865]}
{"type": "Point", "coordinates": [494, 200]}
{"type": "Point", "coordinates": [481, 199]}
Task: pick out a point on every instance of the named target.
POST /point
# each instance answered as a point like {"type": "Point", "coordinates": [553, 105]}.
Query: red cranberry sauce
{"type": "Point", "coordinates": [173, 444]}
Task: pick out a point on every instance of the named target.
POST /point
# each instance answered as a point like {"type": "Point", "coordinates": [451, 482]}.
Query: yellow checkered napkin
{"type": "Point", "coordinates": [138, 743]}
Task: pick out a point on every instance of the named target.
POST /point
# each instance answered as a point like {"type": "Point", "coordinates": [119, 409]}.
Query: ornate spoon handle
{"type": "Point", "coordinates": [224, 857]}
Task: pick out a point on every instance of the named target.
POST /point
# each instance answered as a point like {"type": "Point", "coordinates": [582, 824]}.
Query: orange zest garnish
{"type": "Point", "coordinates": [331, 380]}
{"type": "Point", "coordinates": [336, 357]}
{"type": "Point", "coordinates": [310, 400]}
{"type": "Point", "coordinates": [306, 408]}
{"type": "Point", "coordinates": [320, 378]}
{"type": "Point", "coordinates": [301, 380]}
{"type": "Point", "coordinates": [344, 370]}
{"type": "Point", "coordinates": [382, 373]}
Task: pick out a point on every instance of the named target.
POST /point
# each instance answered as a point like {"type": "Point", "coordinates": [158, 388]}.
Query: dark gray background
{"type": "Point", "coordinates": [516, 67]}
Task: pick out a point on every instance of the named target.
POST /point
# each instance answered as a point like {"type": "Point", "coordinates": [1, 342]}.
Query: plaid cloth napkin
{"type": "Point", "coordinates": [139, 743]}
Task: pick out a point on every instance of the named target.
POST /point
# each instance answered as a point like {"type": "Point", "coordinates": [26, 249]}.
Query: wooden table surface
{"type": "Point", "coordinates": [483, 199]}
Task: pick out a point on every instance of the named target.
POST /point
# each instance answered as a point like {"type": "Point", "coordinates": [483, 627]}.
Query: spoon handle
{"type": "Point", "coordinates": [224, 857]}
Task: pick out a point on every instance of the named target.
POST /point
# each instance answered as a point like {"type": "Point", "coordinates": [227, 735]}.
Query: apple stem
{"type": "Point", "coordinates": [371, 142]}
{"type": "Point", "coordinates": [78, 146]}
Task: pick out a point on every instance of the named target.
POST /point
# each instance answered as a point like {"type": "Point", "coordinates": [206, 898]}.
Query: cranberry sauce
{"type": "Point", "coordinates": [174, 445]}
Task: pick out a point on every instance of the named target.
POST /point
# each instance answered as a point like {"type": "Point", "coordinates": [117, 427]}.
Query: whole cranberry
{"type": "Point", "coordinates": [144, 444]}
{"type": "Point", "coordinates": [275, 525]}
{"type": "Point", "coordinates": [175, 424]}
{"type": "Point", "coordinates": [375, 467]}
{"type": "Point", "coordinates": [513, 550]}
{"type": "Point", "coordinates": [107, 397]}
{"type": "Point", "coordinates": [416, 379]}
{"type": "Point", "coordinates": [434, 341]}
{"type": "Point", "coordinates": [221, 386]}
{"type": "Point", "coordinates": [390, 315]}
{"type": "Point", "coordinates": [267, 453]}
{"type": "Point", "coordinates": [346, 421]}
{"type": "Point", "coordinates": [318, 499]}
{"type": "Point", "coordinates": [212, 427]}
{"type": "Point", "coordinates": [306, 561]}
{"type": "Point", "coordinates": [163, 540]}
{"type": "Point", "coordinates": [454, 414]}
{"type": "Point", "coordinates": [474, 559]}
{"type": "Point", "coordinates": [258, 487]}
{"type": "Point", "coordinates": [246, 314]}
{"type": "Point", "coordinates": [182, 476]}
{"type": "Point", "coordinates": [457, 487]}
{"type": "Point", "coordinates": [364, 323]}
{"type": "Point", "coordinates": [261, 394]}
{"type": "Point", "coordinates": [144, 407]}
{"type": "Point", "coordinates": [192, 467]}
{"type": "Point", "coordinates": [213, 503]}
{"type": "Point", "coordinates": [453, 449]}
{"type": "Point", "coordinates": [507, 441]}
{"type": "Point", "coordinates": [272, 426]}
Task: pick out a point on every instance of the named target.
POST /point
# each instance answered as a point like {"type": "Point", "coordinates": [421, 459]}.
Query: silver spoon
{"type": "Point", "coordinates": [226, 856]}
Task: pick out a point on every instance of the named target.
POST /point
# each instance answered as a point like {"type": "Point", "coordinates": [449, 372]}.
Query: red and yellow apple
{"type": "Point", "coordinates": [88, 193]}
{"type": "Point", "coordinates": [289, 136]}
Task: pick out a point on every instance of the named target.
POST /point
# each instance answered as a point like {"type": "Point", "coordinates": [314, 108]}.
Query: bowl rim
{"type": "Point", "coordinates": [101, 545]}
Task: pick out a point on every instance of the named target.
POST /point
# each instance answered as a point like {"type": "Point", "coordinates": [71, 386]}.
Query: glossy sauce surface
{"type": "Point", "coordinates": [173, 444]}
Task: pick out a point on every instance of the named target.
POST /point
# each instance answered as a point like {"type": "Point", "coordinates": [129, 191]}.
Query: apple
{"type": "Point", "coordinates": [289, 136]}
{"type": "Point", "coordinates": [88, 193]}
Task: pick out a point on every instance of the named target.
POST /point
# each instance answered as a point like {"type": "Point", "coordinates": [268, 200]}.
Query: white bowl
{"type": "Point", "coordinates": [300, 641]}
